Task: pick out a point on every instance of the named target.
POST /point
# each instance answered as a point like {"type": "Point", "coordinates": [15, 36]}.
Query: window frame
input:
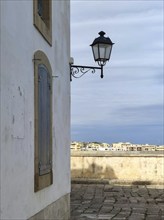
{"type": "Point", "coordinates": [44, 27]}
{"type": "Point", "coordinates": [41, 181]}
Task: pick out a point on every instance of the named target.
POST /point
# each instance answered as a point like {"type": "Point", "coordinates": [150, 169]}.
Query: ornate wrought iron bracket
{"type": "Point", "coordinates": [79, 71]}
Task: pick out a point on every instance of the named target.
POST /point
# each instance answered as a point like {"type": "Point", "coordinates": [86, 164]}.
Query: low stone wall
{"type": "Point", "coordinates": [119, 166]}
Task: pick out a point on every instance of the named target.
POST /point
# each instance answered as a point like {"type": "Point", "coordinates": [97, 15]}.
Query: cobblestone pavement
{"type": "Point", "coordinates": [105, 202]}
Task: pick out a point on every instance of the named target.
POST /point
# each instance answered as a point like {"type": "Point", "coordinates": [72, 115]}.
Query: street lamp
{"type": "Point", "coordinates": [101, 48]}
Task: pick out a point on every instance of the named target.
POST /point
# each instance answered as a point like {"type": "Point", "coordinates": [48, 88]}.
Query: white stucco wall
{"type": "Point", "coordinates": [19, 41]}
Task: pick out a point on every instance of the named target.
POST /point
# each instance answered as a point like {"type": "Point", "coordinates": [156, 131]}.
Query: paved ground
{"type": "Point", "coordinates": [104, 201]}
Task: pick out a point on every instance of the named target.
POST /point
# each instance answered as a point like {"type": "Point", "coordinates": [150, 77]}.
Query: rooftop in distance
{"type": "Point", "coordinates": [120, 146]}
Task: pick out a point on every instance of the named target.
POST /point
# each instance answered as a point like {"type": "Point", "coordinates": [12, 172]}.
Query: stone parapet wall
{"type": "Point", "coordinates": [119, 166]}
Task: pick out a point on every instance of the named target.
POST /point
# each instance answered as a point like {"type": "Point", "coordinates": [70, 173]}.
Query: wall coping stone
{"type": "Point", "coordinates": [117, 154]}
{"type": "Point", "coordinates": [114, 182]}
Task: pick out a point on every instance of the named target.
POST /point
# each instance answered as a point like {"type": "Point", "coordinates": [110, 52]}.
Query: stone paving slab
{"type": "Point", "coordinates": [117, 202]}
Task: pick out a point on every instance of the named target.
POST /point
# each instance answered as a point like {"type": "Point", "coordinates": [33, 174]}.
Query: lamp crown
{"type": "Point", "coordinates": [102, 33]}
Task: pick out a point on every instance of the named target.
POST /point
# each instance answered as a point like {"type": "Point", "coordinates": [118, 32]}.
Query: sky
{"type": "Point", "coordinates": [127, 105]}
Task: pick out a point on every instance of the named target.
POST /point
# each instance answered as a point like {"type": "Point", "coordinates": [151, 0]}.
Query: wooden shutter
{"type": "Point", "coordinates": [44, 120]}
{"type": "Point", "coordinates": [42, 19]}
{"type": "Point", "coordinates": [40, 8]}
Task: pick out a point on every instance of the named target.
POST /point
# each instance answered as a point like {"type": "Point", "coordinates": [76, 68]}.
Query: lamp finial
{"type": "Point", "coordinates": [102, 33]}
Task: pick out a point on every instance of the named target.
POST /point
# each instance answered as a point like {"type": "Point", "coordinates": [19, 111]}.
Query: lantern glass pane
{"type": "Point", "coordinates": [108, 52]}
{"type": "Point", "coordinates": [95, 52]}
{"type": "Point", "coordinates": [102, 51]}
{"type": "Point", "coordinates": [105, 50]}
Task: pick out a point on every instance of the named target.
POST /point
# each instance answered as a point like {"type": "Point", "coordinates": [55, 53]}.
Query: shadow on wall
{"type": "Point", "coordinates": [94, 171]}
{"type": "Point", "coordinates": [141, 183]}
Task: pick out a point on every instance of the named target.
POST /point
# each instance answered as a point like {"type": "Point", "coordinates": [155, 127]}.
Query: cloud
{"type": "Point", "coordinates": [133, 78]}
{"type": "Point", "coordinates": [140, 134]}
{"type": "Point", "coordinates": [140, 115]}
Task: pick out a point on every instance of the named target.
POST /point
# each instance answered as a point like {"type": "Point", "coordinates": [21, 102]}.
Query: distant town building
{"type": "Point", "coordinates": [119, 146]}
{"type": "Point", "coordinates": [160, 148]}
{"type": "Point", "coordinates": [133, 147]}
{"type": "Point", "coordinates": [90, 146]}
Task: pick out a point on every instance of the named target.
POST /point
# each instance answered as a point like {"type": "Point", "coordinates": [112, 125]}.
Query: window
{"type": "Point", "coordinates": [43, 121]}
{"type": "Point", "coordinates": [43, 18]}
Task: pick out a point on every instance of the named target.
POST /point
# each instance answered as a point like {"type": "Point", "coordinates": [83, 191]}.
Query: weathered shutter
{"type": "Point", "coordinates": [40, 8]}
{"type": "Point", "coordinates": [44, 120]}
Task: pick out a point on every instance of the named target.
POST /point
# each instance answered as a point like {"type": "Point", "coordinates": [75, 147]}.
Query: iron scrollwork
{"type": "Point", "coordinates": [79, 71]}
